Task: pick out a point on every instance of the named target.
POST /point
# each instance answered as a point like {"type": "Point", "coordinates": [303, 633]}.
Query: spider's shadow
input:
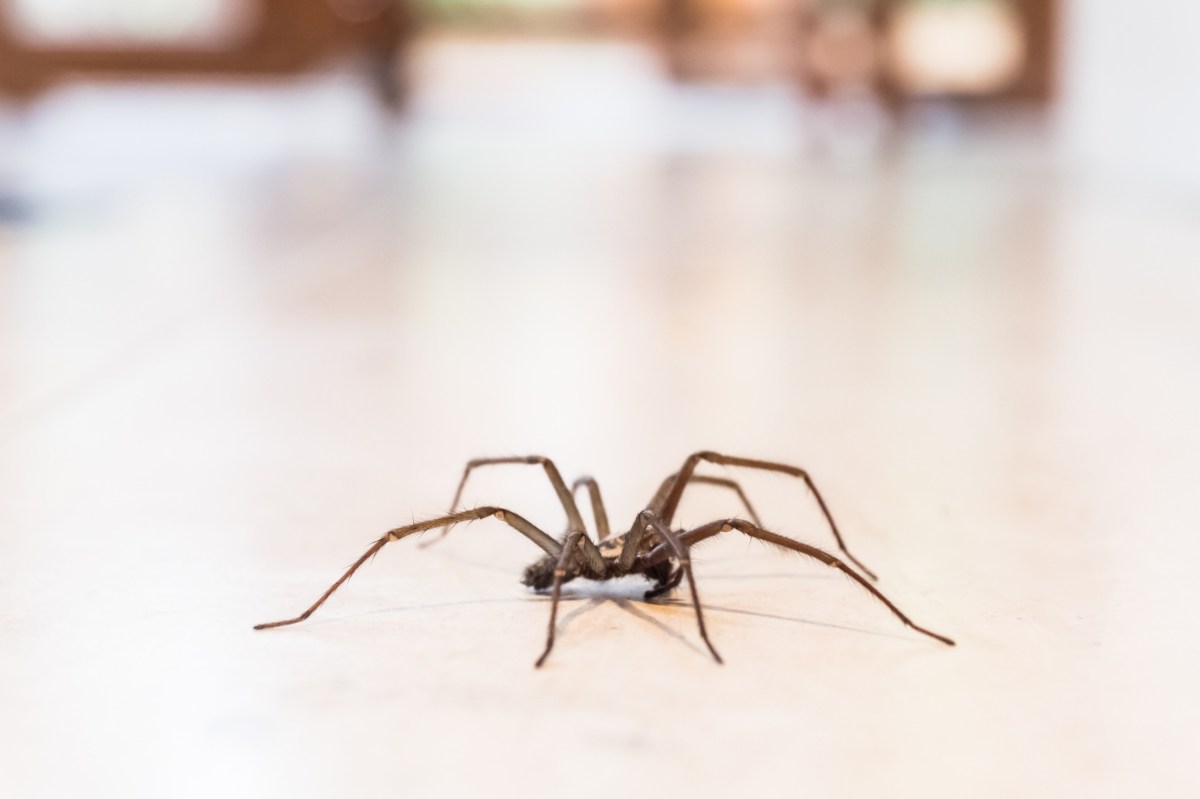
{"type": "Point", "coordinates": [629, 597]}
{"type": "Point", "coordinates": [629, 607]}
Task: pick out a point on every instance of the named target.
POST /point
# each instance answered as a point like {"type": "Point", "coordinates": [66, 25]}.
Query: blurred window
{"type": "Point", "coordinates": [520, 8]}
{"type": "Point", "coordinates": [75, 23]}
{"type": "Point", "coordinates": [531, 5]}
{"type": "Point", "coordinates": [967, 47]}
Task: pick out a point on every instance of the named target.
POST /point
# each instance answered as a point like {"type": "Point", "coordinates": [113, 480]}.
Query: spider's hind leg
{"type": "Point", "coordinates": [565, 497]}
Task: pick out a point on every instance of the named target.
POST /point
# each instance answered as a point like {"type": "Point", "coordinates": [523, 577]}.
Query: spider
{"type": "Point", "coordinates": [650, 547]}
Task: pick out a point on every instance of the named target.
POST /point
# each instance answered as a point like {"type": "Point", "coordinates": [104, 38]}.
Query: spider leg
{"type": "Point", "coordinates": [671, 503]}
{"type": "Point", "coordinates": [680, 553]}
{"type": "Point", "coordinates": [661, 495]}
{"type": "Point", "coordinates": [574, 519]}
{"type": "Point", "coordinates": [602, 529]}
{"type": "Point", "coordinates": [518, 523]}
{"type": "Point", "coordinates": [560, 571]}
{"type": "Point", "coordinates": [693, 537]}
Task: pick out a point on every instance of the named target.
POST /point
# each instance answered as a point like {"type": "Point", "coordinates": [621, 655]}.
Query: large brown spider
{"type": "Point", "coordinates": [650, 548]}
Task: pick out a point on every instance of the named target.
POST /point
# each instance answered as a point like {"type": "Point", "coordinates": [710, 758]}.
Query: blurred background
{"type": "Point", "coordinates": [271, 271]}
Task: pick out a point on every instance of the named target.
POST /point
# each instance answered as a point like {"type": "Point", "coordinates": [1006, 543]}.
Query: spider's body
{"type": "Point", "coordinates": [539, 575]}
{"type": "Point", "coordinates": [650, 547]}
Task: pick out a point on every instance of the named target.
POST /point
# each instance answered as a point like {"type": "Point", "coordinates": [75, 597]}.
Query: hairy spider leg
{"type": "Point", "coordinates": [664, 489]}
{"type": "Point", "coordinates": [602, 528]}
{"type": "Point", "coordinates": [632, 545]}
{"type": "Point", "coordinates": [574, 519]}
{"type": "Point", "coordinates": [695, 536]}
{"type": "Point", "coordinates": [671, 503]}
{"type": "Point", "coordinates": [560, 572]}
{"type": "Point", "coordinates": [685, 565]}
{"type": "Point", "coordinates": [518, 523]}
{"type": "Point", "coordinates": [661, 495]}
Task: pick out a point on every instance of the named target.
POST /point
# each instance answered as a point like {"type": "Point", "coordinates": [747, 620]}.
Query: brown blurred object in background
{"type": "Point", "coordinates": [251, 38]}
{"type": "Point", "coordinates": [895, 50]}
{"type": "Point", "coordinates": [976, 50]}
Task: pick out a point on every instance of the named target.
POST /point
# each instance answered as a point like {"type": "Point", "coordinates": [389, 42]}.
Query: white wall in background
{"type": "Point", "coordinates": [1131, 89]}
{"type": "Point", "coordinates": [62, 21]}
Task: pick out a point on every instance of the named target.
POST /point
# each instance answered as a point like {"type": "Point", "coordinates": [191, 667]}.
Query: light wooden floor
{"type": "Point", "coordinates": [232, 354]}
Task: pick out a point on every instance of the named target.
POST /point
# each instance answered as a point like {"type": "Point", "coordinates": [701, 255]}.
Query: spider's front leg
{"type": "Point", "coordinates": [518, 523]}
{"type": "Point", "coordinates": [680, 552]}
{"type": "Point", "coordinates": [560, 572]}
{"type": "Point", "coordinates": [672, 582]}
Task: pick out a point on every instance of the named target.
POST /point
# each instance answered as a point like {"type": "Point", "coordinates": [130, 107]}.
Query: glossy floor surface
{"type": "Point", "coordinates": [233, 353]}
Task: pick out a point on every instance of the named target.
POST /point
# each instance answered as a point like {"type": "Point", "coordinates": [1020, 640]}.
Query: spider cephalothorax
{"type": "Point", "coordinates": [650, 547]}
